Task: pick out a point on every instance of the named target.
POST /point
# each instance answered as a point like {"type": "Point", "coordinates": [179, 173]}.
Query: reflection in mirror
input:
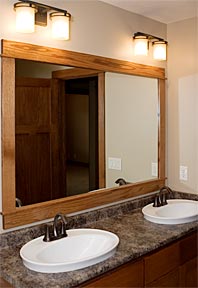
{"type": "Point", "coordinates": [131, 121]}
{"type": "Point", "coordinates": [89, 66]}
{"type": "Point", "coordinates": [56, 133]}
{"type": "Point", "coordinates": [57, 137]}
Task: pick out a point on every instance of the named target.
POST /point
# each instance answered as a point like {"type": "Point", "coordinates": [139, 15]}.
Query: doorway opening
{"type": "Point", "coordinates": [81, 118]}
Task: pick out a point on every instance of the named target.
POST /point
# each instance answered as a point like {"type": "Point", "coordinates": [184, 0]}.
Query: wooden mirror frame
{"type": "Point", "coordinates": [12, 50]}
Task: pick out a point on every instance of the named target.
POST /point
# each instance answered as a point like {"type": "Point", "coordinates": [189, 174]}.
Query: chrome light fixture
{"type": "Point", "coordinates": [31, 13]}
{"type": "Point", "coordinates": [141, 45]}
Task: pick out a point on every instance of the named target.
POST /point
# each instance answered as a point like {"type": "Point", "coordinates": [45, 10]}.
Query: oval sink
{"type": "Point", "coordinates": [81, 248]}
{"type": "Point", "coordinates": [177, 211]}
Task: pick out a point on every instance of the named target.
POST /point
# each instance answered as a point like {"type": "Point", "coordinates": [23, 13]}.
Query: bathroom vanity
{"type": "Point", "coordinates": [148, 255]}
{"type": "Point", "coordinates": [174, 265]}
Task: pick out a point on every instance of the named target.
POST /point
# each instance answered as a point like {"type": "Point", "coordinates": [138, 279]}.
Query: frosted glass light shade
{"type": "Point", "coordinates": [140, 45]}
{"type": "Point", "coordinates": [25, 17]}
{"type": "Point", "coordinates": [60, 25]}
{"type": "Point", "coordinates": [159, 50]}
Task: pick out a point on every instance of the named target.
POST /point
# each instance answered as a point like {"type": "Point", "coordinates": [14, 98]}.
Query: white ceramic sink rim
{"type": "Point", "coordinates": [178, 211]}
{"type": "Point", "coordinates": [86, 246]}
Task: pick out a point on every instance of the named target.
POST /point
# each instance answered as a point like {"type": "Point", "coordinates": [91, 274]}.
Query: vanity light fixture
{"type": "Point", "coordinates": [30, 13]}
{"type": "Point", "coordinates": [141, 45]}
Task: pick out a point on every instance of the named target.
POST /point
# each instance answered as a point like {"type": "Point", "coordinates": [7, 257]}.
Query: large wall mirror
{"type": "Point", "coordinates": [73, 124]}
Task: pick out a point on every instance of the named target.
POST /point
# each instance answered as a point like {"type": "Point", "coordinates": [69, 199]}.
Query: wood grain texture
{"type": "Point", "coordinates": [46, 210]}
{"type": "Point", "coordinates": [74, 73]}
{"type": "Point", "coordinates": [161, 262]}
{"type": "Point", "coordinates": [162, 267]}
{"type": "Point", "coordinates": [170, 280]}
{"type": "Point", "coordinates": [129, 275]}
{"type": "Point", "coordinates": [69, 58]}
{"type": "Point", "coordinates": [8, 134]}
{"type": "Point", "coordinates": [162, 128]}
{"type": "Point", "coordinates": [5, 284]}
{"type": "Point", "coordinates": [101, 129]}
{"type": "Point", "coordinates": [189, 273]}
{"type": "Point", "coordinates": [12, 216]}
{"type": "Point", "coordinates": [192, 252]}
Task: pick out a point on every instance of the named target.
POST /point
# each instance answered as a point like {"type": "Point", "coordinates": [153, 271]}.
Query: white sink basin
{"type": "Point", "coordinates": [176, 212]}
{"type": "Point", "coordinates": [82, 248]}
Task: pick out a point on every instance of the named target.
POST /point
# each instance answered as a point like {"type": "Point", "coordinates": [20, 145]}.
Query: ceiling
{"type": "Point", "coordinates": [165, 11]}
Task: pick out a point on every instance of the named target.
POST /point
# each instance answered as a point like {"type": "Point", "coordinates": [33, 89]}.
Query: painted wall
{"type": "Point", "coordinates": [131, 127]}
{"type": "Point", "coordinates": [77, 115]}
{"type": "Point", "coordinates": [183, 104]}
{"type": "Point", "coordinates": [96, 28]}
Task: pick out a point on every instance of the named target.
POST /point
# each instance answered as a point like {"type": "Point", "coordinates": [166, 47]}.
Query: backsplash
{"type": "Point", "coordinates": [20, 237]}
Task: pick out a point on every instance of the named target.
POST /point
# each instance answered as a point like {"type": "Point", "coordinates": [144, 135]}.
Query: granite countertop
{"type": "Point", "coordinates": [137, 237]}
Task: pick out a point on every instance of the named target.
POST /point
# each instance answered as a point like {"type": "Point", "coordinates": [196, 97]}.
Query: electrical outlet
{"type": "Point", "coordinates": [183, 173]}
{"type": "Point", "coordinates": [114, 163]}
{"type": "Point", "coordinates": [154, 170]}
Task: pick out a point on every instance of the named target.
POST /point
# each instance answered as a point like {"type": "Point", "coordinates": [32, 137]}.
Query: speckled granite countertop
{"type": "Point", "coordinates": [137, 237]}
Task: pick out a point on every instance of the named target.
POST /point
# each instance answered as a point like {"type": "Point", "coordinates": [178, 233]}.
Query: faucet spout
{"type": "Point", "coordinates": [161, 197]}
{"type": "Point", "coordinates": [59, 229]}
{"type": "Point", "coordinates": [62, 233]}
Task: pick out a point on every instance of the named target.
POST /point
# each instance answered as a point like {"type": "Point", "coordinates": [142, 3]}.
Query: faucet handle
{"type": "Point", "coordinates": [47, 237]}
{"type": "Point", "coordinates": [63, 230]}
{"type": "Point", "coordinates": [157, 201]}
{"type": "Point", "coordinates": [60, 233]}
{"type": "Point", "coordinates": [164, 201]}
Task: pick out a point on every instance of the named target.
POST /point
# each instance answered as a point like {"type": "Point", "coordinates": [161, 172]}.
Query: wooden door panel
{"type": "Point", "coordinates": [32, 106]}
{"type": "Point", "coordinates": [33, 173]}
{"type": "Point", "coordinates": [38, 140]}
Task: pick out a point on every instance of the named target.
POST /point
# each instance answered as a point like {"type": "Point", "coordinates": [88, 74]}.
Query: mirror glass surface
{"type": "Point", "coordinates": [131, 125]}
{"type": "Point", "coordinates": [56, 153]}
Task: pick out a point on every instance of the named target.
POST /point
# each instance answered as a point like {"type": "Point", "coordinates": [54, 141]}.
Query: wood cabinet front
{"type": "Point", "coordinates": [128, 275]}
{"type": "Point", "coordinates": [171, 266]}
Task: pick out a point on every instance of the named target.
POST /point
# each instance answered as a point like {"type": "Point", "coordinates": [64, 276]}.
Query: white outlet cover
{"type": "Point", "coordinates": [114, 163]}
{"type": "Point", "coordinates": [183, 173]}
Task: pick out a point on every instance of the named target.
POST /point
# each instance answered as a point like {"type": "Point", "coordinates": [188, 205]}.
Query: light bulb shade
{"type": "Point", "coordinates": [25, 17]}
{"type": "Point", "coordinates": [159, 50]}
{"type": "Point", "coordinates": [140, 45]}
{"type": "Point", "coordinates": [60, 25]}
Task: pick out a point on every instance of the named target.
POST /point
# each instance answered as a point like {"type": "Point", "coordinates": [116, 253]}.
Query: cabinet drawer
{"type": "Point", "coordinates": [5, 284]}
{"type": "Point", "coordinates": [161, 262]}
{"type": "Point", "coordinates": [129, 275]}
{"type": "Point", "coordinates": [188, 273]}
{"type": "Point", "coordinates": [172, 279]}
{"type": "Point", "coordinates": [188, 248]}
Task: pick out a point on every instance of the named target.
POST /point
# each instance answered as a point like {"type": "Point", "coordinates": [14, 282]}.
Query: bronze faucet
{"type": "Point", "coordinates": [58, 232]}
{"type": "Point", "coordinates": [161, 197]}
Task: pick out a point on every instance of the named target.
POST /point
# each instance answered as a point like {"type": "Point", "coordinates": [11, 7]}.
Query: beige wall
{"type": "Point", "coordinates": [77, 115]}
{"type": "Point", "coordinates": [183, 104]}
{"type": "Point", "coordinates": [131, 126]}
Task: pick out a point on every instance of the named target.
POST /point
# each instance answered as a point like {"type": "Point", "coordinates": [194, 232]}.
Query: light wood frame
{"type": "Point", "coordinates": [12, 50]}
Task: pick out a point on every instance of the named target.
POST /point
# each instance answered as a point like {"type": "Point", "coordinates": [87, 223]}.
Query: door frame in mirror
{"type": "Point", "coordinates": [12, 50]}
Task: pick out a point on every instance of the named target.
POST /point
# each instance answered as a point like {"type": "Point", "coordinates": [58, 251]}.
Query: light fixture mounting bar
{"type": "Point", "coordinates": [150, 37]}
{"type": "Point", "coordinates": [42, 9]}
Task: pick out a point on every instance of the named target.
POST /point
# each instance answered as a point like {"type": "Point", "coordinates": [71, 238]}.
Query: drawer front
{"type": "Point", "coordinates": [188, 248]}
{"type": "Point", "coordinates": [172, 279]}
{"type": "Point", "coordinates": [161, 262]}
{"type": "Point", "coordinates": [129, 275]}
{"type": "Point", "coordinates": [188, 273]}
{"type": "Point", "coordinates": [5, 284]}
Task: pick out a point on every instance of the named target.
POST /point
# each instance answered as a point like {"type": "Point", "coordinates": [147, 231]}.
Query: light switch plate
{"type": "Point", "coordinates": [154, 170]}
{"type": "Point", "coordinates": [114, 163]}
